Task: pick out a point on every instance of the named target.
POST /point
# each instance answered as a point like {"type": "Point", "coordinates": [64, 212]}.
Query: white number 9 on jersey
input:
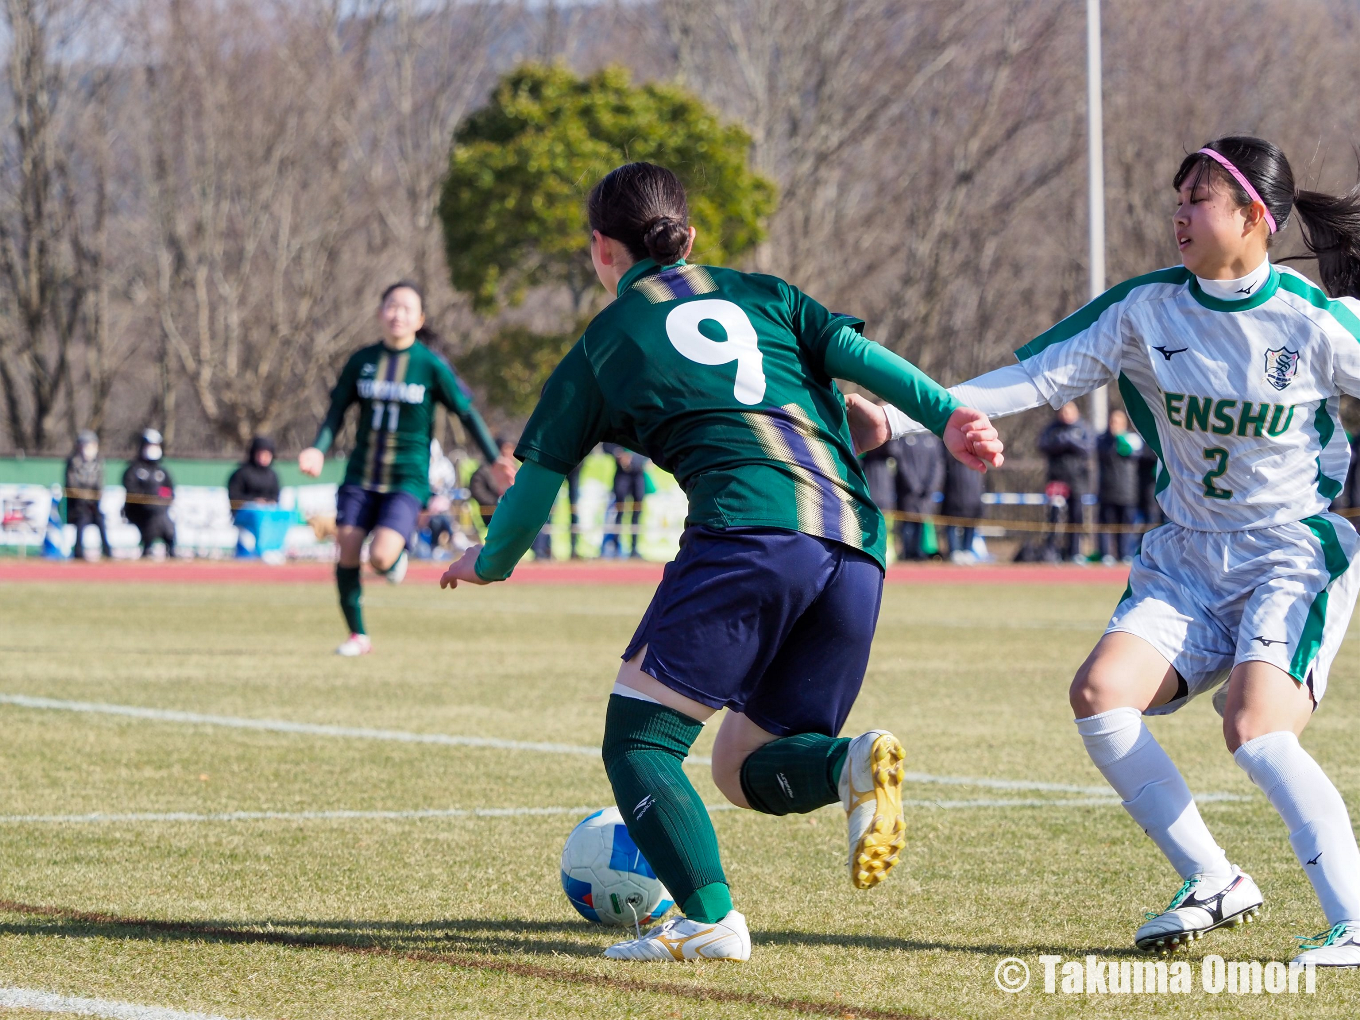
{"type": "Point", "coordinates": [682, 328]}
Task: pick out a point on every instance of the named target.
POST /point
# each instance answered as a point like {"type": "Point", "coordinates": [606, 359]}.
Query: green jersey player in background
{"type": "Point", "coordinates": [725, 380]}
{"type": "Point", "coordinates": [1232, 369]}
{"type": "Point", "coordinates": [396, 384]}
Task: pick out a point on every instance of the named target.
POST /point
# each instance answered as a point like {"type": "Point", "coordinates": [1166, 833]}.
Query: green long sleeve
{"type": "Point", "coordinates": [850, 356]}
{"type": "Point", "coordinates": [344, 394]}
{"type": "Point", "coordinates": [479, 433]}
{"type": "Point", "coordinates": [520, 515]}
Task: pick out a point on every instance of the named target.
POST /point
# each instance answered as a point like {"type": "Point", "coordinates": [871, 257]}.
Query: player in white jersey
{"type": "Point", "coordinates": [1232, 369]}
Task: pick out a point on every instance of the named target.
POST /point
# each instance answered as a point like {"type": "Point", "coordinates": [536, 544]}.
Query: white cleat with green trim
{"type": "Point", "coordinates": [1339, 947]}
{"type": "Point", "coordinates": [1195, 910]}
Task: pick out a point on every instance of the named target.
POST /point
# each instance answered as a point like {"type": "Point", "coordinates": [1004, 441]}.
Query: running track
{"type": "Point", "coordinates": [232, 572]}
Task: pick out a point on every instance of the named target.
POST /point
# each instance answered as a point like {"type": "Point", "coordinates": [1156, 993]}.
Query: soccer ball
{"type": "Point", "coordinates": [605, 876]}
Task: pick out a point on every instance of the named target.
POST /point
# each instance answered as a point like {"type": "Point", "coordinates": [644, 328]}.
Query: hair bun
{"type": "Point", "coordinates": [665, 239]}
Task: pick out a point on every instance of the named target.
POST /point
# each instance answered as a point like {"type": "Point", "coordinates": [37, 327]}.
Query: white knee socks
{"type": "Point", "coordinates": [1319, 825]}
{"type": "Point", "coordinates": [1154, 793]}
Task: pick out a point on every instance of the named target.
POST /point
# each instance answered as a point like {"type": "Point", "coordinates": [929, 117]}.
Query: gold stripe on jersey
{"type": "Point", "coordinates": [810, 487]}
{"type": "Point", "coordinates": [673, 284]}
{"type": "Point", "coordinates": [806, 493]}
{"type": "Point", "coordinates": [384, 454]}
{"type": "Point", "coordinates": [371, 466]}
{"type": "Point", "coordinates": [851, 527]}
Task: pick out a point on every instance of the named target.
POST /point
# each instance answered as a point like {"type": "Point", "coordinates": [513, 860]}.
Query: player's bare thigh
{"type": "Point", "coordinates": [737, 737]}
{"type": "Point", "coordinates": [383, 551]}
{"type": "Point", "coordinates": [1262, 698]}
{"type": "Point", "coordinates": [385, 547]}
{"type": "Point", "coordinates": [1122, 671]}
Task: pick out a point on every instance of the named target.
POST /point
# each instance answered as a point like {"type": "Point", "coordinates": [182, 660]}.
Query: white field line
{"type": "Point", "coordinates": [448, 740]}
{"type": "Point", "coordinates": [578, 812]}
{"type": "Point", "coordinates": [283, 726]}
{"type": "Point", "coordinates": [72, 1005]}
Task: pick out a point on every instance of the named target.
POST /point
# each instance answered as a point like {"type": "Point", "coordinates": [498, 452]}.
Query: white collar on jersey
{"type": "Point", "coordinates": [1239, 289]}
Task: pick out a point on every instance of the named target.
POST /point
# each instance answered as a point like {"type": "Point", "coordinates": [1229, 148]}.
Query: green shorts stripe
{"type": "Point", "coordinates": [1334, 558]}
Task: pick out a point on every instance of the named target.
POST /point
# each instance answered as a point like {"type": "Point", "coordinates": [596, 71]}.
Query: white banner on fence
{"type": "Point", "coordinates": [202, 516]}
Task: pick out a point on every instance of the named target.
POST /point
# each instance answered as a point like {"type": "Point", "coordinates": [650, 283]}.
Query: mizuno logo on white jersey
{"type": "Point", "coordinates": [1240, 400]}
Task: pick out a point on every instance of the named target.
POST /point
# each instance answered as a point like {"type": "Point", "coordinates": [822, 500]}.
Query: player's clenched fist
{"type": "Point", "coordinates": [310, 461]}
{"type": "Point", "coordinates": [973, 440]}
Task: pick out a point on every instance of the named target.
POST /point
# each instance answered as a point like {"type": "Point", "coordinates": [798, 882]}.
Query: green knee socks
{"type": "Point", "coordinates": [794, 775]}
{"type": "Point", "coordinates": [644, 747]}
{"type": "Point", "coordinates": [351, 597]}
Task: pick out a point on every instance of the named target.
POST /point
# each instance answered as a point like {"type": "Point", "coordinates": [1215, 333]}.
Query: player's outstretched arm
{"type": "Point", "coordinates": [966, 432]}
{"type": "Point", "coordinates": [520, 515]}
{"type": "Point", "coordinates": [313, 459]}
{"type": "Point", "coordinates": [998, 393]}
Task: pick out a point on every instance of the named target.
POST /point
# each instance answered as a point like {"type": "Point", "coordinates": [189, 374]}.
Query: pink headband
{"type": "Point", "coordinates": [1242, 180]}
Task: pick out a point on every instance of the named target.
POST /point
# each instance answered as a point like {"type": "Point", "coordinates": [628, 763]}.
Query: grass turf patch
{"type": "Point", "coordinates": [465, 917]}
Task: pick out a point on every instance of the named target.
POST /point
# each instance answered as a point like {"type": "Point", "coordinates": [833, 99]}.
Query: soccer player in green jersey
{"type": "Point", "coordinates": [725, 380]}
{"type": "Point", "coordinates": [396, 384]}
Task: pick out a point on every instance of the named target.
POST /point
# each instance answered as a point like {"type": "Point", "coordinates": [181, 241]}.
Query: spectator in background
{"type": "Point", "coordinates": [574, 501]}
{"type": "Point", "coordinates": [1349, 496]}
{"type": "Point", "coordinates": [1149, 510]}
{"type": "Point", "coordinates": [436, 518]}
{"type": "Point", "coordinates": [150, 491]}
{"type": "Point", "coordinates": [630, 489]}
{"type": "Point", "coordinates": [920, 474]}
{"type": "Point", "coordinates": [1119, 455]}
{"type": "Point", "coordinates": [483, 488]}
{"type": "Point", "coordinates": [962, 498]}
{"type": "Point", "coordinates": [255, 482]}
{"type": "Point", "coordinates": [485, 493]}
{"type": "Point", "coordinates": [84, 487]}
{"type": "Point", "coordinates": [880, 471]}
{"type": "Point", "coordinates": [1066, 442]}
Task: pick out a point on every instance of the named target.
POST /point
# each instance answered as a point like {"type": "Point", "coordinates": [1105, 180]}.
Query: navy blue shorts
{"type": "Point", "coordinates": [358, 507]}
{"type": "Point", "coordinates": [773, 624]}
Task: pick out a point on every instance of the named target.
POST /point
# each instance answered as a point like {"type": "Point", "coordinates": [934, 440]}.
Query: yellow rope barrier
{"type": "Point", "coordinates": [941, 520]}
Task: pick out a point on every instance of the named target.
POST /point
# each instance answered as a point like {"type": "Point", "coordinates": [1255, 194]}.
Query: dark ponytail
{"type": "Point", "coordinates": [424, 334]}
{"type": "Point", "coordinates": [643, 207]}
{"type": "Point", "coordinates": [1331, 231]}
{"type": "Point", "coordinates": [1330, 224]}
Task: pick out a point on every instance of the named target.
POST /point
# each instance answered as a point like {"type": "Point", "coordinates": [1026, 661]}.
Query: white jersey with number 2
{"type": "Point", "coordinates": [1239, 399]}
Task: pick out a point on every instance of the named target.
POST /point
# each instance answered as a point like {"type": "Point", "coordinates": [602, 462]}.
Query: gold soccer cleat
{"type": "Point", "coordinates": [871, 793]}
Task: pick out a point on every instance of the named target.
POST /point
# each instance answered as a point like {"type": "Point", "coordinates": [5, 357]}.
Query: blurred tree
{"type": "Point", "coordinates": [513, 366]}
{"type": "Point", "coordinates": [513, 204]}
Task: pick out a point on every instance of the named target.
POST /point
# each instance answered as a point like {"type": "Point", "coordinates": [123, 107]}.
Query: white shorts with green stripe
{"type": "Point", "coordinates": [1208, 600]}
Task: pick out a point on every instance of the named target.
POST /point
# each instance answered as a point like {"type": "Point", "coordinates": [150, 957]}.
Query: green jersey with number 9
{"type": "Point", "coordinates": [720, 378]}
{"type": "Point", "coordinates": [396, 392]}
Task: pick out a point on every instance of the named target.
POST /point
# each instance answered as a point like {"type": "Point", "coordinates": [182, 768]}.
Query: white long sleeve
{"type": "Point", "coordinates": [1004, 391]}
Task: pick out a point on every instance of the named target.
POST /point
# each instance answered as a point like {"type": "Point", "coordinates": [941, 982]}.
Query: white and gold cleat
{"type": "Point", "coordinates": [871, 793]}
{"type": "Point", "coordinates": [681, 940]}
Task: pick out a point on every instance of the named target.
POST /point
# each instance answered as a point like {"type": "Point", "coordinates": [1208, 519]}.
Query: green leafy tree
{"type": "Point", "coordinates": [513, 204]}
{"type": "Point", "coordinates": [511, 369]}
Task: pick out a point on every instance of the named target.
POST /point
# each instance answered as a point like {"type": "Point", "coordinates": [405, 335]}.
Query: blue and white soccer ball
{"type": "Point", "coordinates": [605, 876]}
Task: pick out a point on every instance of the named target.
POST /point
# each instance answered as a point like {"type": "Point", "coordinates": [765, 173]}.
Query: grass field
{"type": "Point", "coordinates": [311, 917]}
